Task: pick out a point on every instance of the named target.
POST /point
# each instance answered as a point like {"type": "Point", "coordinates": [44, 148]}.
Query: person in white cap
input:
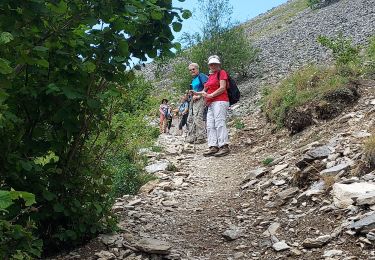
{"type": "Point", "coordinates": [217, 100]}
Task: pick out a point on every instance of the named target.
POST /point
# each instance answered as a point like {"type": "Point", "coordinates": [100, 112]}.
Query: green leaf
{"type": "Point", "coordinates": [59, 8]}
{"type": "Point", "coordinates": [4, 67]}
{"type": "Point", "coordinates": [40, 48]}
{"type": "Point", "coordinates": [58, 207]}
{"type": "Point", "coordinates": [5, 37]}
{"type": "Point", "coordinates": [176, 26]}
{"type": "Point", "coordinates": [5, 199]}
{"type": "Point", "coordinates": [43, 63]}
{"type": "Point", "coordinates": [156, 15]}
{"type": "Point", "coordinates": [71, 93]}
{"type": "Point", "coordinates": [48, 195]}
{"type": "Point", "coordinates": [88, 66]}
{"type": "Point", "coordinates": [26, 165]}
{"type": "Point", "coordinates": [29, 198]}
{"type": "Point", "coordinates": [186, 14]}
{"type": "Point", "coordinates": [123, 48]}
{"type": "Point", "coordinates": [52, 88]}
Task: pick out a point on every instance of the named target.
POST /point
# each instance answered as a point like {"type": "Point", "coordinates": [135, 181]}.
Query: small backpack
{"type": "Point", "coordinates": [234, 93]}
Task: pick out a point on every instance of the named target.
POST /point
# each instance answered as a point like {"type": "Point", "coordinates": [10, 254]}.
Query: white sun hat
{"type": "Point", "coordinates": [214, 60]}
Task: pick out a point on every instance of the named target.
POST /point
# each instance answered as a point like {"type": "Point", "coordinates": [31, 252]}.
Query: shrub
{"type": "Point", "coordinates": [369, 151]}
{"type": "Point", "coordinates": [238, 124]}
{"type": "Point", "coordinates": [17, 241]}
{"type": "Point", "coordinates": [267, 161]}
{"type": "Point", "coordinates": [346, 55]}
{"type": "Point", "coordinates": [305, 85]}
{"type": "Point", "coordinates": [370, 62]}
{"type": "Point", "coordinates": [313, 3]}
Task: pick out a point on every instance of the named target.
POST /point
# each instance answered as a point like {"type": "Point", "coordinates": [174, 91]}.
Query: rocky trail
{"type": "Point", "coordinates": [275, 196]}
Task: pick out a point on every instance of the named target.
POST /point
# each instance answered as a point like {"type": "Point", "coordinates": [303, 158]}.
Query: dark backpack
{"type": "Point", "coordinates": [234, 93]}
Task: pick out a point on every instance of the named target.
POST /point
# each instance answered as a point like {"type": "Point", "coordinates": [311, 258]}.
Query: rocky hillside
{"type": "Point", "coordinates": [287, 38]}
{"type": "Point", "coordinates": [274, 197]}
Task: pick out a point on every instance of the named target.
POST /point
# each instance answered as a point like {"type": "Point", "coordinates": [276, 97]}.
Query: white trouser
{"type": "Point", "coordinates": [217, 132]}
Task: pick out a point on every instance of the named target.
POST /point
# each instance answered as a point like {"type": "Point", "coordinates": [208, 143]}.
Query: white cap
{"type": "Point", "coordinates": [213, 60]}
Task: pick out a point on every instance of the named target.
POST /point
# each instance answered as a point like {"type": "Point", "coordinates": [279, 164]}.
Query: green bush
{"type": "Point", "coordinates": [238, 124]}
{"type": "Point", "coordinates": [267, 161]}
{"type": "Point", "coordinates": [313, 3]}
{"type": "Point", "coordinates": [303, 86]}
{"type": "Point", "coordinates": [346, 55]}
{"type": "Point", "coordinates": [65, 87]}
{"type": "Point", "coordinates": [17, 241]}
{"type": "Point", "coordinates": [370, 59]}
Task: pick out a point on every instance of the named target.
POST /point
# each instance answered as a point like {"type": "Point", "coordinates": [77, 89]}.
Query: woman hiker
{"type": "Point", "coordinates": [215, 93]}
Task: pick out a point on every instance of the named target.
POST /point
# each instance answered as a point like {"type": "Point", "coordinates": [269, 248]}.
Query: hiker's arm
{"type": "Point", "coordinates": [221, 89]}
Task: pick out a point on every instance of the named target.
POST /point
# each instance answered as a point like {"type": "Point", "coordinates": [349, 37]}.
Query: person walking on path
{"type": "Point", "coordinates": [195, 121]}
{"type": "Point", "coordinates": [183, 112]}
{"type": "Point", "coordinates": [163, 110]}
{"type": "Point", "coordinates": [217, 100]}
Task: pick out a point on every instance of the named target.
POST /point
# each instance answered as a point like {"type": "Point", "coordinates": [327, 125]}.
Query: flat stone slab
{"type": "Point", "coordinates": [332, 253]}
{"type": "Point", "coordinates": [232, 233]}
{"type": "Point", "coordinates": [366, 223]}
{"type": "Point", "coordinates": [320, 152]}
{"type": "Point", "coordinates": [288, 193]}
{"type": "Point", "coordinates": [157, 167]}
{"type": "Point", "coordinates": [279, 168]}
{"type": "Point", "coordinates": [153, 246]}
{"type": "Point", "coordinates": [316, 242]}
{"type": "Point", "coordinates": [366, 199]}
{"type": "Point", "coordinates": [253, 174]}
{"type": "Point", "coordinates": [335, 169]}
{"type": "Point", "coordinates": [345, 194]}
{"type": "Point", "coordinates": [280, 246]}
{"type": "Point", "coordinates": [271, 230]}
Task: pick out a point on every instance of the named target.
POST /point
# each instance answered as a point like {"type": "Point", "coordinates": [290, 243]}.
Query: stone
{"type": "Point", "coordinates": [288, 193]}
{"type": "Point", "coordinates": [279, 168]}
{"type": "Point", "coordinates": [335, 169]}
{"type": "Point", "coordinates": [364, 224]}
{"type": "Point", "coordinates": [178, 181]}
{"type": "Point", "coordinates": [157, 167]}
{"type": "Point", "coordinates": [232, 233]}
{"type": "Point", "coordinates": [278, 182]}
{"type": "Point", "coordinates": [361, 134]}
{"type": "Point", "coordinates": [344, 194]}
{"type": "Point", "coordinates": [257, 173]}
{"type": "Point", "coordinates": [320, 152]}
{"type": "Point", "coordinates": [332, 253]}
{"type": "Point", "coordinates": [365, 199]}
{"type": "Point", "coordinates": [316, 242]}
{"type": "Point", "coordinates": [134, 202]}
{"type": "Point", "coordinates": [239, 255]}
{"type": "Point", "coordinates": [105, 255]}
{"type": "Point", "coordinates": [148, 187]}
{"type": "Point", "coordinates": [280, 246]}
{"type": "Point", "coordinates": [249, 184]}
{"type": "Point", "coordinates": [153, 246]}
{"type": "Point", "coordinates": [271, 230]}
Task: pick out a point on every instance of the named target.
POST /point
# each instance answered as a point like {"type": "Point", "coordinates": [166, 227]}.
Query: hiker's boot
{"type": "Point", "coordinates": [211, 151]}
{"type": "Point", "coordinates": [224, 150]}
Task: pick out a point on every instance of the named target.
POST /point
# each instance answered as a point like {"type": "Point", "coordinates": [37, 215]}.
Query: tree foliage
{"type": "Point", "coordinates": [63, 76]}
{"type": "Point", "coordinates": [218, 35]}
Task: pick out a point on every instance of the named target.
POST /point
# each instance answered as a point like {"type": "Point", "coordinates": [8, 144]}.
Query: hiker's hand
{"type": "Point", "coordinates": [196, 97]}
